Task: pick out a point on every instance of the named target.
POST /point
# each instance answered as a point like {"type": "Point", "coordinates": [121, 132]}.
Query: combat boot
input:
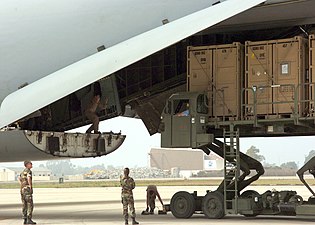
{"type": "Point", "coordinates": [126, 221]}
{"type": "Point", "coordinates": [25, 221]}
{"type": "Point", "coordinates": [134, 221]}
{"type": "Point", "coordinates": [30, 221]}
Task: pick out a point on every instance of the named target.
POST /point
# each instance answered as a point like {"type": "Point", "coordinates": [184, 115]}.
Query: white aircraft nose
{"type": "Point", "coordinates": [74, 77]}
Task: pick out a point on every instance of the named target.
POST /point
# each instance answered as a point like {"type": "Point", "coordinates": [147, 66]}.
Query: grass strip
{"type": "Point", "coordinates": [158, 182]}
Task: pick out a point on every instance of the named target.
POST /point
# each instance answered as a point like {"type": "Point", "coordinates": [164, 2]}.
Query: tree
{"type": "Point", "coordinates": [61, 167]}
{"type": "Point", "coordinates": [289, 165]}
{"type": "Point", "coordinates": [254, 153]}
{"type": "Point", "coordinates": [310, 155]}
{"type": "Point", "coordinates": [269, 165]}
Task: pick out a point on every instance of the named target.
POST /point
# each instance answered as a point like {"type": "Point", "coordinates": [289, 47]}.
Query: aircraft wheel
{"type": "Point", "coordinates": [183, 205]}
{"type": "Point", "coordinates": [213, 206]}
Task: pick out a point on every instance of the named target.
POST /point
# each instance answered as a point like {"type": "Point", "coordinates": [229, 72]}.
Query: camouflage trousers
{"type": "Point", "coordinates": [151, 203]}
{"type": "Point", "coordinates": [27, 202]}
{"type": "Point", "coordinates": [128, 200]}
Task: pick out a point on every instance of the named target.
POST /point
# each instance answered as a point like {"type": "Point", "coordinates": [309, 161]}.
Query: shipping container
{"type": "Point", "coordinates": [276, 74]}
{"type": "Point", "coordinates": [311, 90]}
{"type": "Point", "coordinates": [218, 70]}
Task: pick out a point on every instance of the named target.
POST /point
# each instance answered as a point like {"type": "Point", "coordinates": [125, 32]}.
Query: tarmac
{"type": "Point", "coordinates": [92, 206]}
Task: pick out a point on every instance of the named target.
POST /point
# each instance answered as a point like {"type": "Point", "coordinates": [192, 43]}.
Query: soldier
{"type": "Point", "coordinates": [25, 180]}
{"type": "Point", "coordinates": [95, 103]}
{"type": "Point", "coordinates": [127, 185]}
{"type": "Point", "coordinates": [152, 192]}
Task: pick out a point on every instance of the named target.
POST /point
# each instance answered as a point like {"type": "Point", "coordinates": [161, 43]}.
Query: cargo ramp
{"type": "Point", "coordinates": [18, 145]}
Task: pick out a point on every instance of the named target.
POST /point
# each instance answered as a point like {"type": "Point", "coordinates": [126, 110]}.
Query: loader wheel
{"type": "Point", "coordinates": [183, 205]}
{"type": "Point", "coordinates": [297, 199]}
{"type": "Point", "coordinates": [213, 206]}
{"type": "Point", "coordinates": [250, 194]}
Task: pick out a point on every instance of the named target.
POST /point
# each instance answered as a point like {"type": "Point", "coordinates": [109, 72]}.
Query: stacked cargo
{"type": "Point", "coordinates": [276, 72]}
{"type": "Point", "coordinates": [217, 70]}
{"type": "Point", "coordinates": [275, 80]}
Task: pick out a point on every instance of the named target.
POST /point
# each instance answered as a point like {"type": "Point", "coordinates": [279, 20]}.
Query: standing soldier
{"type": "Point", "coordinates": [25, 180]}
{"type": "Point", "coordinates": [127, 185]}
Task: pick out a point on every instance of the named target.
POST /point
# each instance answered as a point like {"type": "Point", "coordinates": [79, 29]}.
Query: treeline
{"type": "Point", "coordinates": [271, 171]}
{"type": "Point", "coordinates": [65, 167]}
{"type": "Point", "coordinates": [254, 153]}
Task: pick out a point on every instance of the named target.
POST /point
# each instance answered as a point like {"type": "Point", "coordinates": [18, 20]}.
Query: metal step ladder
{"type": "Point", "coordinates": [231, 169]}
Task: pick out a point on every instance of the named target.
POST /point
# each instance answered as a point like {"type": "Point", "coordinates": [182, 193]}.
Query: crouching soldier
{"type": "Point", "coordinates": [152, 193]}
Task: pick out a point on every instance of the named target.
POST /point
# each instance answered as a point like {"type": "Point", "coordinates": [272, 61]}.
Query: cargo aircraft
{"type": "Point", "coordinates": [52, 52]}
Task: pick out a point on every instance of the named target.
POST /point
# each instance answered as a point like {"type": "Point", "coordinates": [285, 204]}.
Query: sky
{"type": "Point", "coordinates": [135, 149]}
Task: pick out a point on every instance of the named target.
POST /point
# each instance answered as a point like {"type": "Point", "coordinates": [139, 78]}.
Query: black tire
{"type": "Point", "coordinates": [213, 205]}
{"type": "Point", "coordinates": [250, 194]}
{"type": "Point", "coordinates": [183, 205]}
{"type": "Point", "coordinates": [250, 215]}
{"type": "Point", "coordinates": [296, 199]}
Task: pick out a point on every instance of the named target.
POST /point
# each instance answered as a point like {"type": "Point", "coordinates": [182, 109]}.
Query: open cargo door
{"type": "Point", "coordinates": [68, 80]}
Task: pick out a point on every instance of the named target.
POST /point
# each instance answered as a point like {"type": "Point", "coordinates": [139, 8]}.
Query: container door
{"type": "Point", "coordinates": [260, 77]}
{"type": "Point", "coordinates": [199, 69]}
{"type": "Point", "coordinates": [226, 77]}
{"type": "Point", "coordinates": [287, 75]}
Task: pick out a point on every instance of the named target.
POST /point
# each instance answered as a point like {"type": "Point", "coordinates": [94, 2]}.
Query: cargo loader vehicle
{"type": "Point", "coordinates": [260, 89]}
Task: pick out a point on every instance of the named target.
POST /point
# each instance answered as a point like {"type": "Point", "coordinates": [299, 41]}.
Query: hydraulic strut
{"type": "Point", "coordinates": [247, 164]}
{"type": "Point", "coordinates": [310, 166]}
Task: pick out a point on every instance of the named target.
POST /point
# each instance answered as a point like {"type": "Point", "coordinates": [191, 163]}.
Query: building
{"type": "Point", "coordinates": [39, 173]}
{"type": "Point", "coordinates": [166, 159]}
{"type": "Point", "coordinates": [6, 174]}
{"type": "Point", "coordinates": [213, 162]}
{"type": "Point", "coordinates": [184, 162]}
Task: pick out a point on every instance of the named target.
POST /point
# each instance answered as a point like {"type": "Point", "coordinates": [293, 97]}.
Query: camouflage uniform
{"type": "Point", "coordinates": [26, 194]}
{"type": "Point", "coordinates": [152, 192]}
{"type": "Point", "coordinates": [127, 185]}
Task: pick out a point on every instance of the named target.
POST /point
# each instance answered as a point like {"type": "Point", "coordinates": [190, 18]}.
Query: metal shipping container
{"type": "Point", "coordinates": [276, 72]}
{"type": "Point", "coordinates": [311, 89]}
{"type": "Point", "coordinates": [218, 69]}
